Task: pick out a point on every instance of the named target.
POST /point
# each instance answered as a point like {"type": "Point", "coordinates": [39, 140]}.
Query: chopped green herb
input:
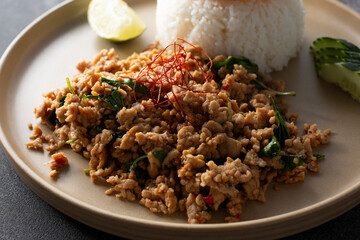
{"type": "Point", "coordinates": [291, 161]}
{"type": "Point", "coordinates": [112, 82]}
{"type": "Point", "coordinates": [140, 88]}
{"type": "Point", "coordinates": [87, 170]}
{"type": "Point", "coordinates": [229, 63]}
{"type": "Point", "coordinates": [319, 156]}
{"type": "Point", "coordinates": [71, 140]}
{"type": "Point", "coordinates": [99, 127]}
{"type": "Point", "coordinates": [119, 134]}
{"type": "Point", "coordinates": [160, 155]}
{"type": "Point", "coordinates": [114, 100]}
{"type": "Point", "coordinates": [53, 119]}
{"type": "Point", "coordinates": [69, 86]}
{"type": "Point", "coordinates": [281, 132]}
{"type": "Point", "coordinates": [132, 166]}
{"type": "Point", "coordinates": [62, 101]}
{"type": "Point", "coordinates": [272, 149]}
{"type": "Point", "coordinates": [260, 85]}
{"type": "Point", "coordinates": [91, 97]}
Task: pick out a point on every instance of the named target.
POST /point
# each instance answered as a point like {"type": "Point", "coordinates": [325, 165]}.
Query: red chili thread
{"type": "Point", "coordinates": [165, 74]}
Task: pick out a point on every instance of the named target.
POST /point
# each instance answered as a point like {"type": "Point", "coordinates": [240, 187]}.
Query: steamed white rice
{"type": "Point", "coordinates": [269, 32]}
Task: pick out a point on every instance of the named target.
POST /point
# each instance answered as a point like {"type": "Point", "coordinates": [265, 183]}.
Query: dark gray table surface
{"type": "Point", "coordinates": [23, 215]}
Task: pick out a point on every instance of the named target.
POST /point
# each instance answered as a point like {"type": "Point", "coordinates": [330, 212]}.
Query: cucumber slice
{"type": "Point", "coordinates": [345, 75]}
{"type": "Point", "coordinates": [335, 59]}
{"type": "Point", "coordinates": [337, 52]}
{"type": "Point", "coordinates": [327, 42]}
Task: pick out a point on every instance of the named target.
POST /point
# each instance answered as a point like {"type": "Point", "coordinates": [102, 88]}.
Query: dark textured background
{"type": "Point", "coordinates": [23, 215]}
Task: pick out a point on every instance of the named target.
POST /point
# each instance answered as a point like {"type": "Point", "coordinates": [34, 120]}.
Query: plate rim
{"type": "Point", "coordinates": [25, 172]}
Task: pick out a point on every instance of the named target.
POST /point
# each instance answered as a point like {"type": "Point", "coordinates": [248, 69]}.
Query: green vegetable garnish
{"type": "Point", "coordinates": [291, 161]}
{"type": "Point", "coordinates": [92, 97]}
{"type": "Point", "coordinates": [319, 156]}
{"type": "Point", "coordinates": [138, 86]}
{"type": "Point", "coordinates": [260, 85]}
{"type": "Point", "coordinates": [281, 132]}
{"type": "Point", "coordinates": [53, 119]}
{"type": "Point", "coordinates": [87, 170]}
{"type": "Point", "coordinates": [132, 166]}
{"type": "Point", "coordinates": [69, 86]}
{"type": "Point", "coordinates": [119, 134]}
{"type": "Point", "coordinates": [62, 101]}
{"type": "Point", "coordinates": [129, 82]}
{"type": "Point", "coordinates": [71, 140]}
{"type": "Point", "coordinates": [338, 61]}
{"type": "Point", "coordinates": [229, 63]}
{"type": "Point", "coordinates": [327, 42]}
{"type": "Point", "coordinates": [272, 149]}
{"type": "Point", "coordinates": [114, 100]}
{"type": "Point", "coordinates": [99, 128]}
{"type": "Point", "coordinates": [160, 155]}
{"type": "Point", "coordinates": [112, 82]}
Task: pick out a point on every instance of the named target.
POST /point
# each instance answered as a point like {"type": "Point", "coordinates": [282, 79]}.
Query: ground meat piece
{"type": "Point", "coordinates": [252, 188]}
{"type": "Point", "coordinates": [124, 187]}
{"type": "Point", "coordinates": [252, 158]}
{"type": "Point", "coordinates": [258, 119]}
{"type": "Point", "coordinates": [191, 163]}
{"type": "Point", "coordinates": [37, 144]}
{"type": "Point", "coordinates": [37, 132]}
{"type": "Point", "coordinates": [172, 158]}
{"type": "Point", "coordinates": [187, 137]}
{"type": "Point", "coordinates": [154, 165]}
{"type": "Point", "coordinates": [151, 140]}
{"type": "Point", "coordinates": [98, 152]}
{"type": "Point", "coordinates": [59, 160]}
{"type": "Point", "coordinates": [293, 176]}
{"type": "Point", "coordinates": [315, 135]}
{"type": "Point", "coordinates": [223, 179]}
{"type": "Point", "coordinates": [159, 199]}
{"type": "Point", "coordinates": [196, 209]}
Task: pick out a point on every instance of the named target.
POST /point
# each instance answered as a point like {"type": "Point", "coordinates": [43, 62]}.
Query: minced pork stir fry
{"type": "Point", "coordinates": [178, 131]}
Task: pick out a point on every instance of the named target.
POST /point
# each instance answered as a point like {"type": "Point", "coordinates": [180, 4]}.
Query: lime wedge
{"type": "Point", "coordinates": [114, 20]}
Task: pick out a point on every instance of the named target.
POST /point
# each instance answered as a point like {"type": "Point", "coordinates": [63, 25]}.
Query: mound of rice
{"type": "Point", "coordinates": [269, 32]}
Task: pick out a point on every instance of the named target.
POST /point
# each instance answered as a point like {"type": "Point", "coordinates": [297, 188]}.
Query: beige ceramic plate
{"type": "Point", "coordinates": [46, 53]}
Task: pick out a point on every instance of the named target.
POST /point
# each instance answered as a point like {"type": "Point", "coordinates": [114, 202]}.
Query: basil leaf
{"type": "Point", "coordinates": [291, 161]}
{"type": "Point", "coordinates": [229, 63]}
{"type": "Point", "coordinates": [112, 82]}
{"type": "Point", "coordinates": [53, 120]}
{"type": "Point", "coordinates": [132, 166]}
{"type": "Point", "coordinates": [272, 149]}
{"type": "Point", "coordinates": [160, 155]}
{"type": "Point", "coordinates": [281, 132]}
{"type": "Point", "coordinates": [319, 156]}
{"type": "Point", "coordinates": [261, 86]}
{"type": "Point", "coordinates": [139, 87]}
{"type": "Point", "coordinates": [62, 101]}
{"type": "Point", "coordinates": [114, 100]}
{"type": "Point", "coordinates": [119, 134]}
